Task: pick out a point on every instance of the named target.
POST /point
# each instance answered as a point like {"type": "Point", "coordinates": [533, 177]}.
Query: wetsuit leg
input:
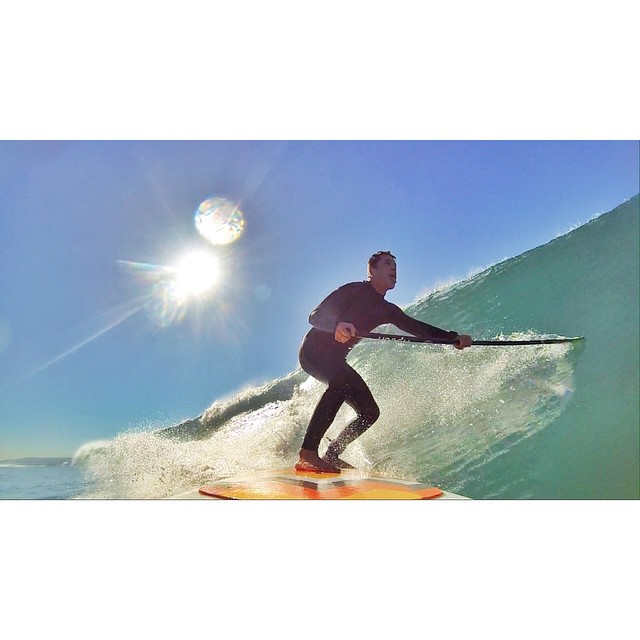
{"type": "Point", "coordinates": [367, 413]}
{"type": "Point", "coordinates": [344, 385]}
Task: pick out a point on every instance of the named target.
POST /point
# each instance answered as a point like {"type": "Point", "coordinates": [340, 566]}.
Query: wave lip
{"type": "Point", "coordinates": [89, 449]}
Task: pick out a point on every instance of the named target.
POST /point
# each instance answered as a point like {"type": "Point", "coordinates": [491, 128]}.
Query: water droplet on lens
{"type": "Point", "coordinates": [219, 220]}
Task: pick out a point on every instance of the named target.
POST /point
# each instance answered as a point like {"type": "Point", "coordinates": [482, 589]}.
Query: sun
{"type": "Point", "coordinates": [195, 275]}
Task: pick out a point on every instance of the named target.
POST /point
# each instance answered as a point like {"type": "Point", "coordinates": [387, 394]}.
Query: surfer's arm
{"type": "Point", "coordinates": [326, 316]}
{"type": "Point", "coordinates": [418, 328]}
{"type": "Point", "coordinates": [428, 331]}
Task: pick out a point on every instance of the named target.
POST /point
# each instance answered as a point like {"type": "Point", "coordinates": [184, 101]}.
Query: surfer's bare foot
{"type": "Point", "coordinates": [336, 462]}
{"type": "Point", "coordinates": [311, 461]}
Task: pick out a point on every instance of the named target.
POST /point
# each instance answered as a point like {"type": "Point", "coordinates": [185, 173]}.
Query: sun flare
{"type": "Point", "coordinates": [195, 275]}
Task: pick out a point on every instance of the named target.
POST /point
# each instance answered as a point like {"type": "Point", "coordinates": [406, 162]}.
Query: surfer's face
{"type": "Point", "coordinates": [384, 275]}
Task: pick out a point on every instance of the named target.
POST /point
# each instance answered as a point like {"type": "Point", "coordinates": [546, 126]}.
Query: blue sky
{"type": "Point", "coordinates": [77, 364]}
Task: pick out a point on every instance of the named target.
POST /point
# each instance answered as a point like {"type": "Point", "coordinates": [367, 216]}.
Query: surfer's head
{"type": "Point", "coordinates": [382, 271]}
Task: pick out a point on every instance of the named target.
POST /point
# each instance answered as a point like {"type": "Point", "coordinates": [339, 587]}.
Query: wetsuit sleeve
{"type": "Point", "coordinates": [327, 314]}
{"type": "Point", "coordinates": [418, 328]}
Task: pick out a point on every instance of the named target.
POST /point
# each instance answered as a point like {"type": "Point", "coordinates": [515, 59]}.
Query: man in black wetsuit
{"type": "Point", "coordinates": [355, 308]}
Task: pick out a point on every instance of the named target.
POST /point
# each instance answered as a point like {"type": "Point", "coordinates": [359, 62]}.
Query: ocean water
{"type": "Point", "coordinates": [533, 422]}
{"type": "Point", "coordinates": [41, 481]}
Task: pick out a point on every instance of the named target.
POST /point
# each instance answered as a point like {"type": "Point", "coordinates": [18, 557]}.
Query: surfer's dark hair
{"type": "Point", "coordinates": [373, 260]}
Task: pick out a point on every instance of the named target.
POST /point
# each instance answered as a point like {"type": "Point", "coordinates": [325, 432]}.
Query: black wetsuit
{"type": "Point", "coordinates": [324, 358]}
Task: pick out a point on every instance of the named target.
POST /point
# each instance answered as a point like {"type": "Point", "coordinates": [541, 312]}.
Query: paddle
{"type": "Point", "coordinates": [476, 343]}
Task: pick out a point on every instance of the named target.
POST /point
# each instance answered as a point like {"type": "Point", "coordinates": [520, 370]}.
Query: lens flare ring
{"type": "Point", "coordinates": [219, 221]}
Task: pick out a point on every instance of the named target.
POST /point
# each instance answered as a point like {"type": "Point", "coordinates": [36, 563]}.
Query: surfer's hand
{"type": "Point", "coordinates": [344, 332]}
{"type": "Point", "coordinates": [464, 341]}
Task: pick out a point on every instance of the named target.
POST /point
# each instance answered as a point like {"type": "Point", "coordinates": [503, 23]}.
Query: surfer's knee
{"type": "Point", "coordinates": [370, 414]}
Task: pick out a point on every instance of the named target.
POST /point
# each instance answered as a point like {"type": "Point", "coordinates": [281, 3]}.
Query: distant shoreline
{"type": "Point", "coordinates": [47, 462]}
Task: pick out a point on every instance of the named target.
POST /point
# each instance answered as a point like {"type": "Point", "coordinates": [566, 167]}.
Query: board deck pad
{"type": "Point", "coordinates": [289, 484]}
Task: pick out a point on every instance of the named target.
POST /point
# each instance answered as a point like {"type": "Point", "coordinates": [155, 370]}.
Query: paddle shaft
{"type": "Point", "coordinates": [476, 343]}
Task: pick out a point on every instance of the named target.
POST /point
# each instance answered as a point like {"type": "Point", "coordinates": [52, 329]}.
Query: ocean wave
{"type": "Point", "coordinates": [485, 422]}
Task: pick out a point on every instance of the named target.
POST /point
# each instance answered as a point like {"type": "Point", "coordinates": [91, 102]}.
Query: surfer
{"type": "Point", "coordinates": [354, 308]}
